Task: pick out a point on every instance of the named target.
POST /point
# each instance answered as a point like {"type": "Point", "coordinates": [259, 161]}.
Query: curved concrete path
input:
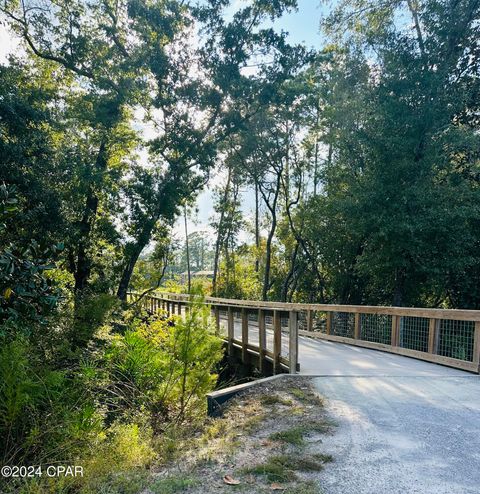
{"type": "Point", "coordinates": [327, 358]}
{"type": "Point", "coordinates": [403, 426]}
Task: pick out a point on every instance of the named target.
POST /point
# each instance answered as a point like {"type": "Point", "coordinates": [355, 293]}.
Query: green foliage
{"type": "Point", "coordinates": [27, 295]}
{"type": "Point", "coordinates": [239, 280]}
{"type": "Point", "coordinates": [173, 484]}
{"type": "Point", "coordinates": [165, 366]}
{"type": "Point", "coordinates": [367, 163]}
{"type": "Point", "coordinates": [45, 413]}
{"type": "Point", "coordinates": [108, 403]}
{"type": "Point", "coordinates": [92, 311]}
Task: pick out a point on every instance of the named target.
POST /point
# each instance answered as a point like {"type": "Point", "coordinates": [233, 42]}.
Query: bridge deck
{"type": "Point", "coordinates": [327, 358]}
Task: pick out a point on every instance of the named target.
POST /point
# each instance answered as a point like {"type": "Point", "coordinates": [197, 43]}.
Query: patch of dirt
{"type": "Point", "coordinates": [269, 439]}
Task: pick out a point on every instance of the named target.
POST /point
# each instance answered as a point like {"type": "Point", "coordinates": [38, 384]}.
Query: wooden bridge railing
{"type": "Point", "coordinates": [443, 336]}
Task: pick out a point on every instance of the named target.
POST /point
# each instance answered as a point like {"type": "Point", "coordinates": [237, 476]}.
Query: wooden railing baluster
{"type": "Point", "coordinates": [262, 340]}
{"type": "Point", "coordinates": [277, 340]}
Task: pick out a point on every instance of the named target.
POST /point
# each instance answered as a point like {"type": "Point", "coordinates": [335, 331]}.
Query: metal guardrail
{"type": "Point", "coordinates": [444, 336]}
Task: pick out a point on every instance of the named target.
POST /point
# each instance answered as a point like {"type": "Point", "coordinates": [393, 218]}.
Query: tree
{"type": "Point", "coordinates": [115, 57]}
{"type": "Point", "coordinates": [100, 47]}
{"type": "Point", "coordinates": [398, 135]}
{"type": "Point", "coordinates": [199, 113]}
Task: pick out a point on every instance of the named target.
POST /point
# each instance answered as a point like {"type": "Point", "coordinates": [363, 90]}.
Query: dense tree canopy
{"type": "Point", "coordinates": [362, 158]}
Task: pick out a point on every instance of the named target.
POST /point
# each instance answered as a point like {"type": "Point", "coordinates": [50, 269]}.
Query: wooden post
{"type": "Point", "coordinates": [217, 320]}
{"type": "Point", "coordinates": [432, 336]}
{"type": "Point", "coordinates": [262, 340]}
{"type": "Point", "coordinates": [244, 336]}
{"type": "Point", "coordinates": [277, 340]}
{"type": "Point", "coordinates": [329, 322]}
{"type": "Point", "coordinates": [394, 338]}
{"type": "Point", "coordinates": [476, 345]}
{"type": "Point", "coordinates": [356, 330]}
{"type": "Point", "coordinates": [309, 320]}
{"type": "Point", "coordinates": [231, 331]}
{"type": "Point", "coordinates": [293, 341]}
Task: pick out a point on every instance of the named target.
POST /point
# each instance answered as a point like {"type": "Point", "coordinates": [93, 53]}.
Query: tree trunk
{"type": "Point", "coordinates": [268, 253]}
{"type": "Point", "coordinates": [416, 23]}
{"type": "Point", "coordinates": [83, 262]}
{"type": "Point", "coordinates": [268, 258]}
{"type": "Point", "coordinates": [288, 278]}
{"type": "Point", "coordinates": [257, 229]}
{"type": "Point", "coordinates": [187, 247]}
{"type": "Point", "coordinates": [133, 255]}
{"type": "Point", "coordinates": [218, 242]}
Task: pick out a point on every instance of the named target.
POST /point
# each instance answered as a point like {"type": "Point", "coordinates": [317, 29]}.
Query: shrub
{"type": "Point", "coordinates": [45, 414]}
{"type": "Point", "coordinates": [27, 295]}
{"type": "Point", "coordinates": [165, 366]}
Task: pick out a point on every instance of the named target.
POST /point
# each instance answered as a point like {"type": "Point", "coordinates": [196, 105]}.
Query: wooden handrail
{"type": "Point", "coordinates": [376, 327]}
{"type": "Point", "coordinates": [450, 314]}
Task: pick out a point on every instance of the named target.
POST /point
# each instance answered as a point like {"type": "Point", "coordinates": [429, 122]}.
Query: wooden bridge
{"type": "Point", "coordinates": [267, 334]}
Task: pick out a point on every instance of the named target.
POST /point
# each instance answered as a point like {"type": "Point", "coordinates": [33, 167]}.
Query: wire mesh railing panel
{"type": "Point", "coordinates": [302, 320]}
{"type": "Point", "coordinates": [376, 328]}
{"type": "Point", "coordinates": [455, 339]}
{"type": "Point", "coordinates": [343, 324]}
{"type": "Point", "coordinates": [413, 333]}
{"type": "Point", "coordinates": [317, 323]}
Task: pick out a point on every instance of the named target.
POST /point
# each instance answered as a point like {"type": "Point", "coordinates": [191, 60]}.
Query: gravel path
{"type": "Point", "coordinates": [403, 435]}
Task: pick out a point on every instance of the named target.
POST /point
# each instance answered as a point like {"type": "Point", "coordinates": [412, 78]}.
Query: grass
{"type": "Point", "coordinates": [307, 397]}
{"type": "Point", "coordinates": [296, 435]}
{"type": "Point", "coordinates": [324, 458]}
{"type": "Point", "coordinates": [270, 400]}
{"type": "Point", "coordinates": [173, 484]}
{"type": "Point", "coordinates": [307, 487]}
{"type": "Point", "coordinates": [252, 423]}
{"type": "Point", "coordinates": [282, 468]}
{"type": "Point", "coordinates": [291, 436]}
{"type": "Point", "coordinates": [286, 460]}
{"type": "Point", "coordinates": [275, 469]}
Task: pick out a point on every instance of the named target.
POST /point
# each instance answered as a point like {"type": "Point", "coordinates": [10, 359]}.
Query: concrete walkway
{"type": "Point", "coordinates": [326, 358]}
{"type": "Point", "coordinates": [403, 426]}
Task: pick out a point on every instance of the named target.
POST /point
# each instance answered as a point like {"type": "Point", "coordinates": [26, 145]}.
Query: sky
{"type": "Point", "coordinates": [303, 27]}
